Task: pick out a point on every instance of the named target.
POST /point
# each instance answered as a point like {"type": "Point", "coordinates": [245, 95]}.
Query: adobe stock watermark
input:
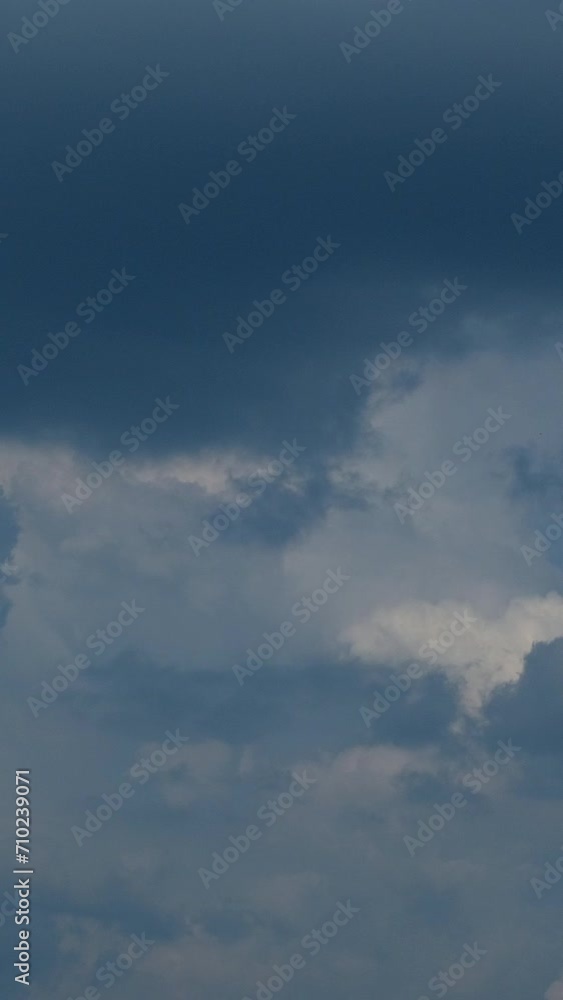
{"type": "Point", "coordinates": [9, 573]}
{"type": "Point", "coordinates": [8, 907]}
{"type": "Point", "coordinates": [30, 27]}
{"type": "Point", "coordinates": [269, 813]}
{"type": "Point", "coordinates": [443, 981]}
{"type": "Point", "coordinates": [312, 943]}
{"type": "Point", "coordinates": [420, 320]}
{"type": "Point", "coordinates": [122, 107]}
{"type": "Point", "coordinates": [249, 149]}
{"type": "Point", "coordinates": [302, 610]}
{"type": "Point", "coordinates": [551, 876]}
{"type": "Point", "coordinates": [98, 642]}
{"type": "Point", "coordinates": [258, 481]}
{"type": "Point", "coordinates": [551, 532]}
{"type": "Point", "coordinates": [224, 7]}
{"type": "Point", "coordinates": [554, 18]}
{"type": "Point", "coordinates": [110, 973]}
{"type": "Point", "coordinates": [292, 278]}
{"type": "Point", "coordinates": [543, 540]}
{"type": "Point", "coordinates": [87, 310]}
{"type": "Point", "coordinates": [364, 37]}
{"type": "Point", "coordinates": [132, 440]}
{"type": "Point", "coordinates": [456, 116]}
{"type": "Point", "coordinates": [141, 772]}
{"type": "Point", "coordinates": [466, 448]}
{"type": "Point", "coordinates": [534, 207]}
{"type": "Point", "coordinates": [430, 651]}
{"type": "Point", "coordinates": [474, 780]}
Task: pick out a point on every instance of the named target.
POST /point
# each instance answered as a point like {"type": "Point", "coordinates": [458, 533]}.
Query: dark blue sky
{"type": "Point", "coordinates": [120, 392]}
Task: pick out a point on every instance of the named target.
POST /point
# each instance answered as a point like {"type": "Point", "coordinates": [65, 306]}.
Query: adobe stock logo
{"type": "Point", "coordinates": [98, 642]}
{"type": "Point", "coordinates": [248, 149]}
{"type": "Point", "coordinates": [553, 18]}
{"type": "Point", "coordinates": [132, 439]}
{"type": "Point", "coordinates": [533, 207]}
{"type": "Point", "coordinates": [109, 973]}
{"type": "Point", "coordinates": [466, 448]}
{"type": "Point", "coordinates": [141, 772]}
{"type": "Point", "coordinates": [257, 481]}
{"type": "Point", "coordinates": [362, 38]}
{"type": "Point", "coordinates": [292, 278]}
{"type": "Point", "coordinates": [269, 813]}
{"type": "Point", "coordinates": [455, 116]}
{"type": "Point", "coordinates": [443, 981]}
{"type": "Point", "coordinates": [543, 541]}
{"type": "Point", "coordinates": [9, 574]}
{"type": "Point", "coordinates": [122, 107]}
{"type": "Point", "coordinates": [420, 320]}
{"type": "Point", "coordinates": [312, 943]}
{"type": "Point", "coordinates": [429, 651]}
{"type": "Point", "coordinates": [303, 611]}
{"type": "Point", "coordinates": [475, 781]}
{"type": "Point", "coordinates": [88, 309]}
{"type": "Point", "coordinates": [30, 26]}
{"type": "Point", "coordinates": [551, 876]}
{"type": "Point", "coordinates": [224, 7]}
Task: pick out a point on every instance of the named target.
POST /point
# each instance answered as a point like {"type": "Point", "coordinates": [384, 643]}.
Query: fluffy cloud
{"type": "Point", "coordinates": [488, 653]}
{"type": "Point", "coordinates": [555, 991]}
{"type": "Point", "coordinates": [459, 555]}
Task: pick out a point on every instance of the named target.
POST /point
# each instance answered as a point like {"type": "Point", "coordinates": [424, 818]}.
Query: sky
{"type": "Point", "coordinates": [281, 506]}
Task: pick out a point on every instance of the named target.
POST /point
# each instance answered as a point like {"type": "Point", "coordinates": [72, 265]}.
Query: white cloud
{"type": "Point", "coordinates": [555, 991]}
{"type": "Point", "coordinates": [489, 653]}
